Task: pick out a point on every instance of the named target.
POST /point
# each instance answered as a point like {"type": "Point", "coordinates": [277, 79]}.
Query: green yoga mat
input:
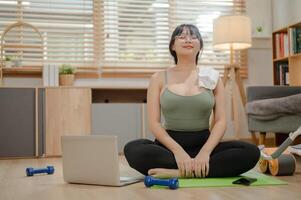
{"type": "Point", "coordinates": [262, 180]}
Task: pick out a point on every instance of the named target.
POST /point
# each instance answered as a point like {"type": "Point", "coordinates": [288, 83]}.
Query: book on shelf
{"type": "Point", "coordinates": [50, 75]}
{"type": "Point", "coordinates": [295, 40]}
{"type": "Point", "coordinates": [282, 73]}
{"type": "Point", "coordinates": [282, 45]}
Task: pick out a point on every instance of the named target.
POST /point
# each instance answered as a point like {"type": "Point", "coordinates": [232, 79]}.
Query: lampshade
{"type": "Point", "coordinates": [232, 30]}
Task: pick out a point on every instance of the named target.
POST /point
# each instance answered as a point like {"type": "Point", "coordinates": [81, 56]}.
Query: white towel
{"type": "Point", "coordinates": [208, 77]}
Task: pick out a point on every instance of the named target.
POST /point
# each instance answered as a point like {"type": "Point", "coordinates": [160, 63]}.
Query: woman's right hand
{"type": "Point", "coordinates": [185, 163]}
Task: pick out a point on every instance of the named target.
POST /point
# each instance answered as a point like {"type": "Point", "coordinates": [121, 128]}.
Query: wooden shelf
{"type": "Point", "coordinates": [291, 63]}
{"type": "Point", "coordinates": [282, 30]}
{"type": "Point", "coordinates": [295, 55]}
{"type": "Point", "coordinates": [286, 58]}
{"type": "Point", "coordinates": [27, 71]}
{"type": "Point", "coordinates": [295, 25]}
{"type": "Point", "coordinates": [22, 71]}
{"type": "Point", "coordinates": [281, 59]}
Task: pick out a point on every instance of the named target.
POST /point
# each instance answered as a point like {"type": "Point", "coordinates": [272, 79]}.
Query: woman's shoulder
{"type": "Point", "coordinates": [158, 75]}
{"type": "Point", "coordinates": [157, 78]}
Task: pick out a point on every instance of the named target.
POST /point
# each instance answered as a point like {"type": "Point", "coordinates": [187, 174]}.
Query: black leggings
{"type": "Point", "coordinates": [229, 158]}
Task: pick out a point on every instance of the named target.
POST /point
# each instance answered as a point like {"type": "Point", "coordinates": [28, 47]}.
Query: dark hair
{"type": "Point", "coordinates": [178, 31]}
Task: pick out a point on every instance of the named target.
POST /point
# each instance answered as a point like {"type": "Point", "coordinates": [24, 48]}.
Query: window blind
{"type": "Point", "coordinates": [118, 35]}
{"type": "Point", "coordinates": [66, 26]}
{"type": "Point", "coordinates": [137, 32]}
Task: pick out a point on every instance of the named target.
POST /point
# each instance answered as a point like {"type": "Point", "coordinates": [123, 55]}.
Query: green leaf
{"type": "Point", "coordinates": [66, 69]}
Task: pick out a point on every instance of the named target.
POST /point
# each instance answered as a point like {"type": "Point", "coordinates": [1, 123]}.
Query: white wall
{"type": "Point", "coordinates": [260, 12]}
{"type": "Point", "coordinates": [260, 70]}
{"type": "Point", "coordinates": [281, 12]}
{"type": "Point", "coordinates": [260, 54]}
{"type": "Point", "coordinates": [296, 11]}
{"type": "Point", "coordinates": [285, 12]}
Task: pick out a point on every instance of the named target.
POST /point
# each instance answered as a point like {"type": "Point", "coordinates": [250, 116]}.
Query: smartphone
{"type": "Point", "coordinates": [245, 181]}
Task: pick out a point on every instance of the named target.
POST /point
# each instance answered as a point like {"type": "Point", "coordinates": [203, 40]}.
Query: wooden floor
{"type": "Point", "coordinates": [15, 185]}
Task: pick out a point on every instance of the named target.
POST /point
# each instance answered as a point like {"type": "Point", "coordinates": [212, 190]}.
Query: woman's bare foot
{"type": "Point", "coordinates": [164, 173]}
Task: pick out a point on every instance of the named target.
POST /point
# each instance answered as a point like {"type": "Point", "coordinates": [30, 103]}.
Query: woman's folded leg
{"type": "Point", "coordinates": [232, 158]}
{"type": "Point", "coordinates": [143, 155]}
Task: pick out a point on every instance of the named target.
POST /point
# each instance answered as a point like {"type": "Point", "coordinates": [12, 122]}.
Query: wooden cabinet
{"type": "Point", "coordinates": [32, 120]}
{"type": "Point", "coordinates": [67, 112]}
{"type": "Point", "coordinates": [287, 55]}
{"type": "Point", "coordinates": [21, 122]}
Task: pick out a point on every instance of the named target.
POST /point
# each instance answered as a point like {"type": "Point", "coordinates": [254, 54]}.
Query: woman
{"type": "Point", "coordinates": [184, 146]}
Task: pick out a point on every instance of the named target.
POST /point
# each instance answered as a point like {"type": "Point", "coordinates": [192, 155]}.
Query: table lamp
{"type": "Point", "coordinates": [232, 32]}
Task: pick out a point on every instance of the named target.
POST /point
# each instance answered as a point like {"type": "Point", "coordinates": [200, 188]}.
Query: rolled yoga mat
{"type": "Point", "coordinates": [284, 165]}
{"type": "Point", "coordinates": [262, 180]}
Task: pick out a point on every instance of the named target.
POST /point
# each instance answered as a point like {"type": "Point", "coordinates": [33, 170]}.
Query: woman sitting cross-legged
{"type": "Point", "coordinates": [184, 146]}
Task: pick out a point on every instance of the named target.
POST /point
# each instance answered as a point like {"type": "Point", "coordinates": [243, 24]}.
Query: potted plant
{"type": "Point", "coordinates": [66, 77]}
{"type": "Point", "coordinates": [8, 61]}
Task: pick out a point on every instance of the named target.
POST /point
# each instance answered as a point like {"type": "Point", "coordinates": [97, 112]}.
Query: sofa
{"type": "Point", "coordinates": [283, 124]}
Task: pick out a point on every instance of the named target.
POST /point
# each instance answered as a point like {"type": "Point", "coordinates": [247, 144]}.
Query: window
{"type": "Point", "coordinates": [66, 27]}
{"type": "Point", "coordinates": [118, 35]}
{"type": "Point", "coordinates": [137, 32]}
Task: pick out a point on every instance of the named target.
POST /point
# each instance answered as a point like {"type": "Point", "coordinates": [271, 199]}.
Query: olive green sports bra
{"type": "Point", "coordinates": [186, 113]}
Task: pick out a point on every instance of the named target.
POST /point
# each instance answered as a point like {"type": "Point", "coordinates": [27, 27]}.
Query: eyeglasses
{"type": "Point", "coordinates": [185, 37]}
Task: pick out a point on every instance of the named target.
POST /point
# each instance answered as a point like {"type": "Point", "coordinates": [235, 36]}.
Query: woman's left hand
{"type": "Point", "coordinates": [201, 164]}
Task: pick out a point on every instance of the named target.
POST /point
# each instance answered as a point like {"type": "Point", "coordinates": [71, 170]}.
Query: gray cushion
{"type": "Point", "coordinates": [284, 124]}
{"type": "Point", "coordinates": [266, 92]}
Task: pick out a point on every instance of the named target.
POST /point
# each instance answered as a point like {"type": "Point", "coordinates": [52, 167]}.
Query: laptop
{"type": "Point", "coordinates": [93, 160]}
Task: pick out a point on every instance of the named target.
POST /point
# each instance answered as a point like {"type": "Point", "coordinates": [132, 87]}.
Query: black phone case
{"type": "Point", "coordinates": [244, 181]}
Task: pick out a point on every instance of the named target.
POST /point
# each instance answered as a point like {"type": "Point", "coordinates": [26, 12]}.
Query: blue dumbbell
{"type": "Point", "coordinates": [31, 171]}
{"type": "Point", "coordinates": [172, 183]}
